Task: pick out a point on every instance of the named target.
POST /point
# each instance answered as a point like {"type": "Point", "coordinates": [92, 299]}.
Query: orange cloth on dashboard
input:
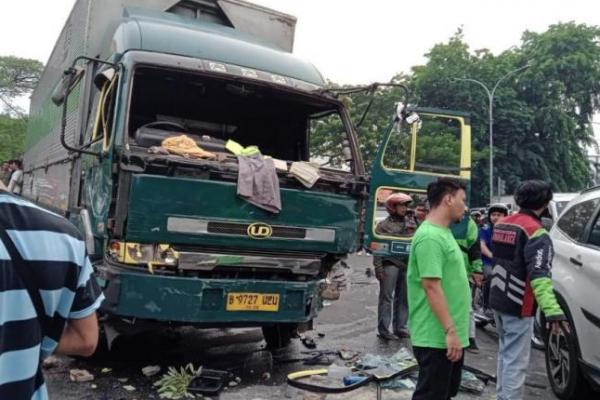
{"type": "Point", "coordinates": [185, 146]}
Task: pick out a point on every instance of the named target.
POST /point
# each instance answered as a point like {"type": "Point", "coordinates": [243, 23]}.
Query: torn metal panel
{"type": "Point", "coordinates": [139, 160]}
{"type": "Point", "coordinates": [209, 261]}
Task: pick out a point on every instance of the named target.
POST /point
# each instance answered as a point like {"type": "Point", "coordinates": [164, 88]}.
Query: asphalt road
{"type": "Point", "coordinates": [346, 323]}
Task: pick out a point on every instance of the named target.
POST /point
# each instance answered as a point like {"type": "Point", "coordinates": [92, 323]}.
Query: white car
{"type": "Point", "coordinates": [573, 359]}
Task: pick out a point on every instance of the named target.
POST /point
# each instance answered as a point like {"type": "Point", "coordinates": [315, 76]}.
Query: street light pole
{"type": "Point", "coordinates": [490, 95]}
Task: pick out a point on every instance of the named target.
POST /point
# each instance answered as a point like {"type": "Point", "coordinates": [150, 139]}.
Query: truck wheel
{"type": "Point", "coordinates": [279, 335]}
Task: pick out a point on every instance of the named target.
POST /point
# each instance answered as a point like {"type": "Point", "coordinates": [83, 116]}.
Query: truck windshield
{"type": "Point", "coordinates": [432, 145]}
{"type": "Point", "coordinates": [211, 111]}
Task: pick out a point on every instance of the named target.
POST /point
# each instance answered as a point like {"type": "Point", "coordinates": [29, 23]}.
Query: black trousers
{"type": "Point", "coordinates": [439, 378]}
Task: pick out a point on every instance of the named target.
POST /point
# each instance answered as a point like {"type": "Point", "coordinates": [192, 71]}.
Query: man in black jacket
{"type": "Point", "coordinates": [521, 277]}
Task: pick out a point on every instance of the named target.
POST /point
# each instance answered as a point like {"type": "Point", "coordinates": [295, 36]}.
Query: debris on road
{"type": "Point", "coordinates": [212, 381]}
{"type": "Point", "coordinates": [313, 396]}
{"type": "Point", "coordinates": [348, 355]}
{"type": "Point", "coordinates": [403, 383]}
{"type": "Point", "coordinates": [330, 293]}
{"type": "Point", "coordinates": [403, 359]}
{"type": "Point", "coordinates": [336, 282]}
{"type": "Point", "coordinates": [470, 383]}
{"type": "Point", "coordinates": [80, 375]}
{"type": "Point", "coordinates": [338, 372]}
{"type": "Point", "coordinates": [316, 357]}
{"type": "Point", "coordinates": [308, 339]}
{"type": "Point", "coordinates": [309, 342]}
{"type": "Point", "coordinates": [129, 388]}
{"type": "Point", "coordinates": [150, 370]}
{"type": "Point", "coordinates": [50, 362]}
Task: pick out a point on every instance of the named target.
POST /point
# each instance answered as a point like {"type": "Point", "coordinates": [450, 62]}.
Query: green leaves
{"type": "Point", "coordinates": [174, 384]}
{"type": "Point", "coordinates": [12, 137]}
{"type": "Point", "coordinates": [18, 77]}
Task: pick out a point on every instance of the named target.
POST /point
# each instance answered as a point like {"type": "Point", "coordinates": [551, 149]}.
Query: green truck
{"type": "Point", "coordinates": [171, 241]}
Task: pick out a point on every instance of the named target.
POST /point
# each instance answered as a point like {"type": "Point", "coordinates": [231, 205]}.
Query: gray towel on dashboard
{"type": "Point", "coordinates": [258, 183]}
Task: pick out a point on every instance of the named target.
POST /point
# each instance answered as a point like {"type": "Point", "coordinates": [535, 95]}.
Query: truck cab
{"type": "Point", "coordinates": [171, 239]}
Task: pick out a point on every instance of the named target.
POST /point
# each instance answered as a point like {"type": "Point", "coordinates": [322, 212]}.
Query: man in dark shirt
{"type": "Point", "coordinates": [495, 213]}
{"type": "Point", "coordinates": [391, 270]}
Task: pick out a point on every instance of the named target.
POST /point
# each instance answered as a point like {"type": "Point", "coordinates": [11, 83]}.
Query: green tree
{"type": "Point", "coordinates": [12, 137]}
{"type": "Point", "coordinates": [542, 116]}
{"type": "Point", "coordinates": [18, 77]}
{"type": "Point", "coordinates": [326, 138]}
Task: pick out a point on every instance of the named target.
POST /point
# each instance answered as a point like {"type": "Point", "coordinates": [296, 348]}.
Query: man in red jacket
{"type": "Point", "coordinates": [521, 277]}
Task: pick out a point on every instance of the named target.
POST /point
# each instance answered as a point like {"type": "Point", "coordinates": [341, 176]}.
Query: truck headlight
{"type": "Point", "coordinates": [138, 253]}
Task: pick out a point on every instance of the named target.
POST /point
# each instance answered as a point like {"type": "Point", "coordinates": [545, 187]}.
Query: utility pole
{"type": "Point", "coordinates": [490, 94]}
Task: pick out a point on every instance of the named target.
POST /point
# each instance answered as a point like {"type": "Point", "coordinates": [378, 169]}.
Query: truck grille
{"type": "Point", "coordinates": [227, 228]}
{"type": "Point", "coordinates": [202, 226]}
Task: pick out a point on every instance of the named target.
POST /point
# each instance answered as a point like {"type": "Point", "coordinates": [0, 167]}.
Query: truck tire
{"type": "Point", "coordinates": [279, 335]}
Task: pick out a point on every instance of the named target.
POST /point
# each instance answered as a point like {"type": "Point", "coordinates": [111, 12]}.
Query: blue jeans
{"type": "Point", "coordinates": [514, 348]}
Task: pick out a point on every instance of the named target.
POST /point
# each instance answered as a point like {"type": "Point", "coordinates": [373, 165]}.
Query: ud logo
{"type": "Point", "coordinates": [260, 230]}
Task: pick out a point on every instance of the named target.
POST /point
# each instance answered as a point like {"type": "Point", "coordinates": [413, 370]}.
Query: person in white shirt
{"type": "Point", "coordinates": [15, 184]}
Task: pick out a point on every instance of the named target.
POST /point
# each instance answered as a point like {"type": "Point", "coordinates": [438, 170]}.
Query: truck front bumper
{"type": "Point", "coordinates": [132, 294]}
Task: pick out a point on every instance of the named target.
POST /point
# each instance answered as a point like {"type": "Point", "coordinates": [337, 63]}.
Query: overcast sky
{"type": "Point", "coordinates": [349, 41]}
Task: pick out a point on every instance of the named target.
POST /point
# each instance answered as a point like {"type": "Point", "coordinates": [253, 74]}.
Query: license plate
{"type": "Point", "coordinates": [252, 302]}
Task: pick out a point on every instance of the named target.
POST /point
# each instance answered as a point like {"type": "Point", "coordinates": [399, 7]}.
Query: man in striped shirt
{"type": "Point", "coordinates": [48, 295]}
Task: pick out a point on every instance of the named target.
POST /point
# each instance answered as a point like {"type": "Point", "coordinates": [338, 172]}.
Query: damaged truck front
{"type": "Point", "coordinates": [171, 238]}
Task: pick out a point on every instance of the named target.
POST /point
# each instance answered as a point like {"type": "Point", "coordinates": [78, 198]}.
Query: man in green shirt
{"type": "Point", "coordinates": [471, 248]}
{"type": "Point", "coordinates": [438, 294]}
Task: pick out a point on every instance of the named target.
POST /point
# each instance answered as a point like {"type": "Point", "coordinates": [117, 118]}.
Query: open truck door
{"type": "Point", "coordinates": [420, 145]}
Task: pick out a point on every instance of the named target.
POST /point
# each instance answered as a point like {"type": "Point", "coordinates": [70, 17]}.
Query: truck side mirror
{"type": "Point", "coordinates": [71, 76]}
{"type": "Point", "coordinates": [346, 151]}
{"type": "Point", "coordinates": [104, 76]}
{"type": "Point", "coordinates": [413, 118]}
{"type": "Point", "coordinates": [400, 110]}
